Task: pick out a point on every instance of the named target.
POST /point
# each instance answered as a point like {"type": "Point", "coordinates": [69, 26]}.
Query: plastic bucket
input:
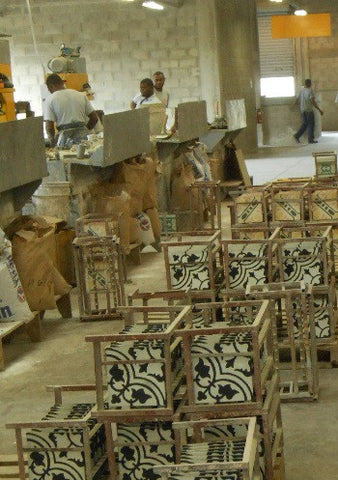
{"type": "Point", "coordinates": [53, 199]}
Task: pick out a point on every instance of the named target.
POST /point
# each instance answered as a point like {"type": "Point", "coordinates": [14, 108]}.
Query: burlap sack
{"type": "Point", "coordinates": [132, 176]}
{"type": "Point", "coordinates": [117, 205]}
{"type": "Point", "coordinates": [217, 168]}
{"type": "Point", "coordinates": [39, 277]}
{"type": "Point", "coordinates": [182, 198]}
{"type": "Point", "coordinates": [13, 303]}
{"type": "Point", "coordinates": [155, 222]}
{"type": "Point", "coordinates": [150, 198]}
{"type": "Point", "coordinates": [134, 231]}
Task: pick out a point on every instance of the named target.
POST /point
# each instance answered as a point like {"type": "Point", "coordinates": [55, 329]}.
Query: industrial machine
{"type": "Point", "coordinates": [72, 69]}
{"type": "Point", "coordinates": [7, 104]}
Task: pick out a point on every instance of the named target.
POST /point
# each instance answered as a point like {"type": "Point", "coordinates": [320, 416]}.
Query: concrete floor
{"type": "Point", "coordinates": [63, 357]}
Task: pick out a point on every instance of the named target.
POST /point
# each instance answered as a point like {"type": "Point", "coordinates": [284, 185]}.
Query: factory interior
{"type": "Point", "coordinates": [168, 239]}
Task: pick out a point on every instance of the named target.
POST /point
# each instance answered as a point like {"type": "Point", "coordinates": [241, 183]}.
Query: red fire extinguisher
{"type": "Point", "coordinates": [259, 115]}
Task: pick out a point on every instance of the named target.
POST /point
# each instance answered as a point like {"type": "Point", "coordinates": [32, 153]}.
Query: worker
{"type": "Point", "coordinates": [72, 112]}
{"type": "Point", "coordinates": [159, 91]}
{"type": "Point", "coordinates": [307, 104]}
{"type": "Point", "coordinates": [146, 95]}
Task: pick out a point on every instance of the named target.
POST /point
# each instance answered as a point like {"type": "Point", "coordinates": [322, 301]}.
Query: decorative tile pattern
{"type": "Point", "coordinates": [247, 265]}
{"type": "Point", "coordinates": [301, 262]}
{"type": "Point", "coordinates": [222, 368]}
{"type": "Point", "coordinates": [189, 267]}
{"type": "Point", "coordinates": [47, 463]}
{"type": "Point", "coordinates": [324, 205]}
{"type": "Point", "coordinates": [137, 377]}
{"type": "Point", "coordinates": [249, 208]}
{"type": "Point", "coordinates": [213, 452]}
{"type": "Point", "coordinates": [168, 223]}
{"type": "Point", "coordinates": [322, 316]}
{"type": "Point", "coordinates": [143, 446]}
{"type": "Point", "coordinates": [287, 206]}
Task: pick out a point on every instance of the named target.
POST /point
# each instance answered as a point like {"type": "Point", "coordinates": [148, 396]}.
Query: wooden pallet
{"type": "Point", "coordinates": [32, 327]}
{"type": "Point", "coordinates": [9, 467]}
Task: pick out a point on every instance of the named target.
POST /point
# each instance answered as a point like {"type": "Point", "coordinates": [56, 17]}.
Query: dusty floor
{"type": "Point", "coordinates": [63, 357]}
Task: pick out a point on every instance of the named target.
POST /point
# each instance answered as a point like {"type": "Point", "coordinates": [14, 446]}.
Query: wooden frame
{"type": "Point", "coordinates": [325, 164]}
{"type": "Point", "coordinates": [323, 203]}
{"type": "Point", "coordinates": [171, 298]}
{"type": "Point", "coordinates": [172, 374]}
{"type": "Point", "coordinates": [196, 447]}
{"type": "Point", "coordinates": [202, 257]}
{"type": "Point", "coordinates": [293, 254]}
{"type": "Point", "coordinates": [84, 425]}
{"type": "Point", "coordinates": [99, 225]}
{"type": "Point", "coordinates": [270, 428]}
{"type": "Point", "coordinates": [246, 204]}
{"type": "Point", "coordinates": [209, 205]}
{"type": "Point", "coordinates": [100, 276]}
{"type": "Point", "coordinates": [288, 204]}
{"type": "Point", "coordinates": [247, 262]}
{"type": "Point", "coordinates": [289, 302]}
{"type": "Point", "coordinates": [326, 297]}
{"type": "Point", "coordinates": [251, 318]}
{"type": "Point", "coordinates": [32, 327]}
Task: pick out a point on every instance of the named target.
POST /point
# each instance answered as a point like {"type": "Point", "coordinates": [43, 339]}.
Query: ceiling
{"type": "Point", "coordinates": [311, 6]}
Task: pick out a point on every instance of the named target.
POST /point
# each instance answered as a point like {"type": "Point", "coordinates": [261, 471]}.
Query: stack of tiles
{"type": "Point", "coordinates": [67, 443]}
{"type": "Point", "coordinates": [192, 260]}
{"type": "Point", "coordinates": [141, 369]}
{"type": "Point", "coordinates": [230, 371]}
{"type": "Point", "coordinates": [249, 214]}
{"type": "Point", "coordinates": [142, 447]}
{"type": "Point", "coordinates": [306, 254]}
{"type": "Point", "coordinates": [294, 337]}
{"type": "Point", "coordinates": [231, 455]}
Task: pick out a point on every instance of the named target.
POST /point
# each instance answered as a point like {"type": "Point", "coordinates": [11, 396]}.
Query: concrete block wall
{"type": "Point", "coordinates": [323, 65]}
{"type": "Point", "coordinates": [121, 42]}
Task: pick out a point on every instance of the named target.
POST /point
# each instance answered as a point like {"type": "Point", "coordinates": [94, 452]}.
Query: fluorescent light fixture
{"type": "Point", "coordinates": [276, 1]}
{"type": "Point", "coordinates": [153, 5]}
{"type": "Point", "coordinates": [300, 13]}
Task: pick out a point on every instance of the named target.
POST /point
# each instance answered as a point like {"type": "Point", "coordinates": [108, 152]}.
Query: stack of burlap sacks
{"type": "Point", "coordinates": [216, 162]}
{"type": "Point", "coordinates": [190, 167]}
{"type": "Point", "coordinates": [131, 190]}
{"type": "Point", "coordinates": [34, 252]}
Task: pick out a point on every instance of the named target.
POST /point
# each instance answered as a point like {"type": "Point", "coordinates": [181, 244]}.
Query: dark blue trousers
{"type": "Point", "coordinates": [308, 124]}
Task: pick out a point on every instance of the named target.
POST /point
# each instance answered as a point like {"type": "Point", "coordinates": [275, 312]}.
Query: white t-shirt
{"type": "Point", "coordinates": [68, 106]}
{"type": "Point", "coordinates": [140, 100]}
{"type": "Point", "coordinates": [305, 96]}
{"type": "Point", "coordinates": [163, 96]}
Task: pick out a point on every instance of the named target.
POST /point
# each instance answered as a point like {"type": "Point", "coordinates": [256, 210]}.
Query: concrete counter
{"type": "Point", "coordinates": [22, 164]}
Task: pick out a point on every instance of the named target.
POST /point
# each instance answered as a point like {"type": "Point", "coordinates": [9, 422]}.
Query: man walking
{"type": "Point", "coordinates": [307, 103]}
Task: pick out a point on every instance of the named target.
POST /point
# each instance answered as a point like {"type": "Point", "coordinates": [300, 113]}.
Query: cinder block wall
{"type": "Point", "coordinates": [323, 60]}
{"type": "Point", "coordinates": [122, 43]}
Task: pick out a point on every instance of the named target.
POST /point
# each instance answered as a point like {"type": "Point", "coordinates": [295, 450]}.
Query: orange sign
{"type": "Point", "coordinates": [311, 25]}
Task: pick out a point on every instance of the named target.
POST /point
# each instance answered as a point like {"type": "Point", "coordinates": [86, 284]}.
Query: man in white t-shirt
{"type": "Point", "coordinates": [159, 91]}
{"type": "Point", "coordinates": [307, 104]}
{"type": "Point", "coordinates": [70, 110]}
{"type": "Point", "coordinates": [146, 95]}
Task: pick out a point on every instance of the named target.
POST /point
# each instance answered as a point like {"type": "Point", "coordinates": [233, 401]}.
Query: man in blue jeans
{"type": "Point", "coordinates": [307, 103]}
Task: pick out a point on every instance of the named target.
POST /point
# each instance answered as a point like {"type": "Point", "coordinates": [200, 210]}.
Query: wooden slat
{"type": "Point", "coordinates": [9, 468]}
